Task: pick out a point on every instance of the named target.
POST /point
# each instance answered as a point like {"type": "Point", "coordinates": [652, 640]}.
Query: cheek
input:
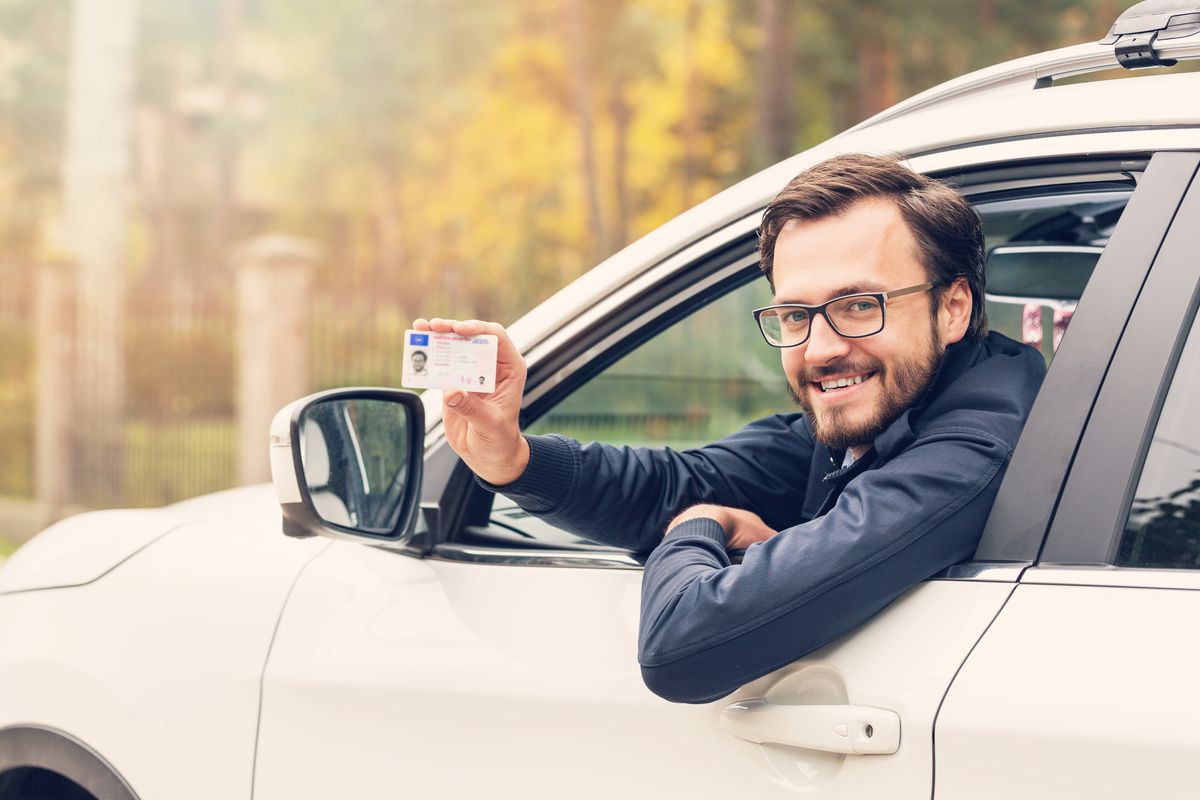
{"type": "Point", "coordinates": [792, 360]}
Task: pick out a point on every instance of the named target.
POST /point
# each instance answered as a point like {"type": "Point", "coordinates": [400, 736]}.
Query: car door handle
{"type": "Point", "coordinates": [859, 730]}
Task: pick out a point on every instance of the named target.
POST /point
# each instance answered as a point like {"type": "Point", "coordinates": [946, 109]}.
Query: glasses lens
{"type": "Point", "coordinates": [784, 326]}
{"type": "Point", "coordinates": [860, 315]}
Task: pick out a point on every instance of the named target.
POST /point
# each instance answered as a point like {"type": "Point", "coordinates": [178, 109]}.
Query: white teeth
{"type": "Point", "coordinates": [841, 383]}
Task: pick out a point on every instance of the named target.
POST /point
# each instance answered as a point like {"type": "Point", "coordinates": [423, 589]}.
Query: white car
{"type": "Point", "coordinates": [435, 641]}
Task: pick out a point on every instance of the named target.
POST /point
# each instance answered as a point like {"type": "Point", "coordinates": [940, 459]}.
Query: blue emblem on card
{"type": "Point", "coordinates": [421, 339]}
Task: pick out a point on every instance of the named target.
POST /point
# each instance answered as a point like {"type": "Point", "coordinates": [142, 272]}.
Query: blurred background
{"type": "Point", "coordinates": [183, 182]}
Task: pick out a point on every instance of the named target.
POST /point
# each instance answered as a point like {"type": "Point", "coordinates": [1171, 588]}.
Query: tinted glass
{"type": "Point", "coordinates": [1163, 528]}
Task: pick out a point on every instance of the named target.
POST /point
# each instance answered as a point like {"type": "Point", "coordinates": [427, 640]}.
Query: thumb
{"type": "Point", "coordinates": [462, 402]}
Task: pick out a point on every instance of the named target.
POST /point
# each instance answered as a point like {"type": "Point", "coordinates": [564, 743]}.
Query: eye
{"type": "Point", "coordinates": [795, 316]}
{"type": "Point", "coordinates": [863, 306]}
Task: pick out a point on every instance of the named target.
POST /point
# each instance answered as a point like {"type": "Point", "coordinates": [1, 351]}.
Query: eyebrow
{"type": "Point", "coordinates": [850, 288]}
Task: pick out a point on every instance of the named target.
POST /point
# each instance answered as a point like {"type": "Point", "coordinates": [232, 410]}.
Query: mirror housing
{"type": "Point", "coordinates": [347, 463]}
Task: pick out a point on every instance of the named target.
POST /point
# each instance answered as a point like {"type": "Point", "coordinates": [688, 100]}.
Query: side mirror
{"type": "Point", "coordinates": [347, 463]}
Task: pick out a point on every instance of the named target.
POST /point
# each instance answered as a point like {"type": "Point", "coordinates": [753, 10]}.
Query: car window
{"type": "Point", "coordinates": [710, 373]}
{"type": "Point", "coordinates": [702, 378]}
{"type": "Point", "coordinates": [1163, 525]}
{"type": "Point", "coordinates": [1041, 250]}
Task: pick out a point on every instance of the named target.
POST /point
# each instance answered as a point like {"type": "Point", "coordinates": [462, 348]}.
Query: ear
{"type": "Point", "coordinates": [954, 311]}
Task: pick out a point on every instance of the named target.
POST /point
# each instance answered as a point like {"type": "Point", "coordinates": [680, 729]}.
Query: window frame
{"type": "Point", "coordinates": [1090, 519]}
{"type": "Point", "coordinates": [1028, 498]}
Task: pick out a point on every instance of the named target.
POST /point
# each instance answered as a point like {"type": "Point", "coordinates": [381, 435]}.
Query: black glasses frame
{"type": "Point", "coordinates": [880, 297]}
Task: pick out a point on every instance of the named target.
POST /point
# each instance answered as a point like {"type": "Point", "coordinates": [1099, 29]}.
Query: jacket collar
{"type": "Point", "coordinates": [956, 361]}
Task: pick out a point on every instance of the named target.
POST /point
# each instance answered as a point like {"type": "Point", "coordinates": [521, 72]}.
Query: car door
{"type": "Point", "coordinates": [503, 661]}
{"type": "Point", "coordinates": [1085, 686]}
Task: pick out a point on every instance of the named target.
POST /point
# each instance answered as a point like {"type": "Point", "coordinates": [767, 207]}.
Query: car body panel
{"type": "Point", "coordinates": [156, 666]}
{"type": "Point", "coordinates": [1077, 692]}
{"type": "Point", "coordinates": [82, 548]}
{"type": "Point", "coordinates": [515, 682]}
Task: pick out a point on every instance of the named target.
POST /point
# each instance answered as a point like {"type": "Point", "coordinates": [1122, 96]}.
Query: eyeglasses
{"type": "Point", "coordinates": [852, 316]}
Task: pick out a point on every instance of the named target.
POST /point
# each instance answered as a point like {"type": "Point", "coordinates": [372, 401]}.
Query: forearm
{"type": "Point", "coordinates": [627, 496]}
{"type": "Point", "coordinates": [614, 495]}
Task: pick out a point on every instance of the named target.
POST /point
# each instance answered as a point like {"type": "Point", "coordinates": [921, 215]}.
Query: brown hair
{"type": "Point", "coordinates": [947, 229]}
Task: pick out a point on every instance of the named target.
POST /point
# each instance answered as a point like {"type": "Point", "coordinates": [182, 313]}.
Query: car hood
{"type": "Point", "coordinates": [85, 547]}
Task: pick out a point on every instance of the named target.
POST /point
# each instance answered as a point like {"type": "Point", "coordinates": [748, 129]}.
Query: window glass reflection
{"type": "Point", "coordinates": [1163, 528]}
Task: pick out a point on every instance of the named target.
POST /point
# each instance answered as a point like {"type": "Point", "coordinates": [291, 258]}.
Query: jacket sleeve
{"type": "Point", "coordinates": [625, 496]}
{"type": "Point", "coordinates": [709, 626]}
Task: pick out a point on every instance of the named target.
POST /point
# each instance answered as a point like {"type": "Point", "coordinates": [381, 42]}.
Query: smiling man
{"type": "Point", "coordinates": [911, 410]}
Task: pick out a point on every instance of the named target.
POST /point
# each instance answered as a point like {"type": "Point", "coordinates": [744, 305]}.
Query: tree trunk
{"type": "Point", "coordinates": [691, 117]}
{"type": "Point", "coordinates": [878, 65]}
{"type": "Point", "coordinates": [581, 81]}
{"type": "Point", "coordinates": [622, 116]}
{"type": "Point", "coordinates": [774, 115]}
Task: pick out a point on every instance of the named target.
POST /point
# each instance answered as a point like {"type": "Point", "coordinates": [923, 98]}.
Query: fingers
{"type": "Point", "coordinates": [506, 352]}
{"type": "Point", "coordinates": [463, 327]}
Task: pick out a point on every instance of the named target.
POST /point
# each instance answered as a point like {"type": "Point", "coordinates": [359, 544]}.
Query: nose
{"type": "Point", "coordinates": [824, 345]}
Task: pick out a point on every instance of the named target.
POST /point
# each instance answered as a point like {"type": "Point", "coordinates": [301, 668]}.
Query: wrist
{"type": "Point", "coordinates": [511, 467]}
{"type": "Point", "coordinates": [705, 511]}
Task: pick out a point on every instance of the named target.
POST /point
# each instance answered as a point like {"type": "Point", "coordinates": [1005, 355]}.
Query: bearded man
{"type": "Point", "coordinates": [911, 410]}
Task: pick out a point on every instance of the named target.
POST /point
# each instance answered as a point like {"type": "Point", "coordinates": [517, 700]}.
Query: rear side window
{"type": "Point", "coordinates": [1163, 527]}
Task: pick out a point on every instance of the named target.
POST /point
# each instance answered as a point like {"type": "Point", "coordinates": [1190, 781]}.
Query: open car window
{"type": "Point", "coordinates": [710, 373]}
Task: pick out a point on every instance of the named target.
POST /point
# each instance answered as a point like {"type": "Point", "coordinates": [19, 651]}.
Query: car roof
{"type": "Point", "coordinates": [1014, 101]}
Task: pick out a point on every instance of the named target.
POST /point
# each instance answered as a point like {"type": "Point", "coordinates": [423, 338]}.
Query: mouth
{"type": "Point", "coordinates": [843, 384]}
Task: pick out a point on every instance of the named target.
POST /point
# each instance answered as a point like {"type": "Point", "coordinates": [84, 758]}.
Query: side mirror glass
{"type": "Point", "coordinates": [352, 464]}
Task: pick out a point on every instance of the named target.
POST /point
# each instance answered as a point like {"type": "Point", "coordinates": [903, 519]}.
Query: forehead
{"type": "Point", "coordinates": [868, 247]}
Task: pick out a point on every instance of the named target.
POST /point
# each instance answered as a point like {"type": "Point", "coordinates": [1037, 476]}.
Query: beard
{"type": "Point", "coordinates": [900, 386]}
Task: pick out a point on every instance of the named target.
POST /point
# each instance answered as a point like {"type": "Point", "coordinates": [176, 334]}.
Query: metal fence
{"type": "Point", "coordinates": [177, 432]}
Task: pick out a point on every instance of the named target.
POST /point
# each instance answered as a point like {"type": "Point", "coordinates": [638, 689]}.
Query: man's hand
{"type": "Point", "coordinates": [742, 528]}
{"type": "Point", "coordinates": [483, 428]}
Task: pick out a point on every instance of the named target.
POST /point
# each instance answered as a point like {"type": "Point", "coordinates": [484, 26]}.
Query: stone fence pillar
{"type": "Point", "coordinates": [54, 323]}
{"type": "Point", "coordinates": [274, 291]}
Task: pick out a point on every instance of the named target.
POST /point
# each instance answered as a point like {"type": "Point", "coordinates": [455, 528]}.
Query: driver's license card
{"type": "Point", "coordinates": [448, 361]}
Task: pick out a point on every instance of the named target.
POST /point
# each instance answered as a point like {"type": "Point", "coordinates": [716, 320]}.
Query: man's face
{"type": "Point", "coordinates": [418, 361]}
{"type": "Point", "coordinates": [867, 248]}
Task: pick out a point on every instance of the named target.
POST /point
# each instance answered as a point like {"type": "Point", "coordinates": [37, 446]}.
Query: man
{"type": "Point", "coordinates": [418, 362]}
{"type": "Point", "coordinates": [911, 411]}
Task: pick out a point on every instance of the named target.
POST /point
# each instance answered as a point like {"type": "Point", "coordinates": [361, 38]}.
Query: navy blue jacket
{"type": "Point", "coordinates": [851, 539]}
